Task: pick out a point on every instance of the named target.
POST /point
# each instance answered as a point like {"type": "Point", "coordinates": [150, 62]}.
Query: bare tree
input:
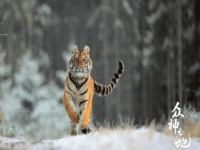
{"type": "Point", "coordinates": [179, 5]}
{"type": "Point", "coordinates": [169, 67]}
{"type": "Point", "coordinates": [172, 55]}
{"type": "Point", "coordinates": [105, 52]}
{"type": "Point", "coordinates": [144, 73]}
{"type": "Point", "coordinates": [28, 8]}
{"type": "Point", "coordinates": [117, 51]}
{"type": "Point", "coordinates": [168, 81]}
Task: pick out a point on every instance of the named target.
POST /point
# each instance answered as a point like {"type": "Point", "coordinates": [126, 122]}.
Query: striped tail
{"type": "Point", "coordinates": [104, 90]}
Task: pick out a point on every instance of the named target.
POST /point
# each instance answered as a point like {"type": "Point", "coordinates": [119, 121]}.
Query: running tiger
{"type": "Point", "coordinates": [79, 89]}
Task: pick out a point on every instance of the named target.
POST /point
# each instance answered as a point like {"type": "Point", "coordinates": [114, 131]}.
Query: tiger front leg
{"type": "Point", "coordinates": [86, 116]}
{"type": "Point", "coordinates": [70, 108]}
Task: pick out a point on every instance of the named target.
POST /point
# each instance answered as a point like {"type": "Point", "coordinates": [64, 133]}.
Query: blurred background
{"type": "Point", "coordinates": [158, 41]}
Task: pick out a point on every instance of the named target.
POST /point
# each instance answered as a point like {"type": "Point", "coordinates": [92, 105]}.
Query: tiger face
{"type": "Point", "coordinates": [80, 65]}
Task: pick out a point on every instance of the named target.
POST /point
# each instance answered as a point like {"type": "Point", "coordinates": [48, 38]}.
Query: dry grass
{"type": "Point", "coordinates": [188, 125]}
{"type": "Point", "coordinates": [153, 128]}
{"type": "Point", "coordinates": [1, 119]}
{"type": "Point", "coordinates": [189, 128]}
{"type": "Point", "coordinates": [192, 128]}
{"type": "Point", "coordinates": [121, 128]}
{"type": "Point", "coordinates": [167, 131]}
{"type": "Point", "coordinates": [125, 130]}
{"type": "Point", "coordinates": [1, 116]}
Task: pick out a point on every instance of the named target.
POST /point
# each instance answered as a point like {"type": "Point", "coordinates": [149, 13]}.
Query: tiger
{"type": "Point", "coordinates": [79, 89]}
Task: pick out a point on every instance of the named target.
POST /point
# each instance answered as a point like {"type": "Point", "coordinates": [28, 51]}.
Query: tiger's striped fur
{"type": "Point", "coordinates": [79, 89]}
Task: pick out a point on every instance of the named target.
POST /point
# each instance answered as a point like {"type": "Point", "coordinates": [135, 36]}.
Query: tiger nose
{"type": "Point", "coordinates": [80, 68]}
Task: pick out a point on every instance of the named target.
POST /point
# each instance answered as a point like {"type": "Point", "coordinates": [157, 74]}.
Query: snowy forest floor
{"type": "Point", "coordinates": [103, 139]}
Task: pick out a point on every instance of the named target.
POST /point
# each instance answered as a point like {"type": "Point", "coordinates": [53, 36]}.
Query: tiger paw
{"type": "Point", "coordinates": [73, 133]}
{"type": "Point", "coordinates": [86, 129]}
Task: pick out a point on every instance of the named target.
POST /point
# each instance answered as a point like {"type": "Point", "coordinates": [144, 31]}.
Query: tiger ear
{"type": "Point", "coordinates": [74, 48]}
{"type": "Point", "coordinates": [86, 49]}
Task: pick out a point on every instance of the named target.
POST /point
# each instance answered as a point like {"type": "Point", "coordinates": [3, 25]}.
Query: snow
{"type": "Point", "coordinates": [152, 4]}
{"type": "Point", "coordinates": [127, 7]}
{"type": "Point", "coordinates": [155, 16]}
{"type": "Point", "coordinates": [137, 139]}
{"type": "Point", "coordinates": [46, 113]}
{"type": "Point", "coordinates": [44, 9]}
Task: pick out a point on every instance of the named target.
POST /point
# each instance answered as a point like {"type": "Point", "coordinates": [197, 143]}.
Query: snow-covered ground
{"type": "Point", "coordinates": [136, 139]}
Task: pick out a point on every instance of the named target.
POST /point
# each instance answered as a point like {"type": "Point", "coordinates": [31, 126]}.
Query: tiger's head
{"type": "Point", "coordinates": [80, 64]}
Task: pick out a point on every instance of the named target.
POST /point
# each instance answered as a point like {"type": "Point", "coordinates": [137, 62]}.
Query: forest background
{"type": "Point", "coordinates": [158, 41]}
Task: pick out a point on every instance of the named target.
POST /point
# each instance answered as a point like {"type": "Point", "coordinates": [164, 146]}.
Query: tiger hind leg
{"type": "Point", "coordinates": [74, 129]}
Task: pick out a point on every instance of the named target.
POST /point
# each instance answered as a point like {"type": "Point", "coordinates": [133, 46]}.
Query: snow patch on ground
{"type": "Point", "coordinates": [137, 139]}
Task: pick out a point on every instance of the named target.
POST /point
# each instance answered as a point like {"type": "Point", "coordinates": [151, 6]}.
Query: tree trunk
{"type": "Point", "coordinates": [23, 32]}
{"type": "Point", "coordinates": [172, 57]}
{"type": "Point", "coordinates": [169, 67]}
{"type": "Point", "coordinates": [173, 82]}
{"type": "Point", "coordinates": [168, 82]}
{"type": "Point", "coordinates": [179, 3]}
{"type": "Point", "coordinates": [197, 20]}
{"type": "Point", "coordinates": [150, 96]}
{"type": "Point", "coordinates": [196, 82]}
{"type": "Point", "coordinates": [144, 73]}
{"type": "Point", "coordinates": [117, 51]}
{"type": "Point", "coordinates": [30, 30]}
{"type": "Point", "coordinates": [105, 56]}
{"type": "Point", "coordinates": [10, 47]}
